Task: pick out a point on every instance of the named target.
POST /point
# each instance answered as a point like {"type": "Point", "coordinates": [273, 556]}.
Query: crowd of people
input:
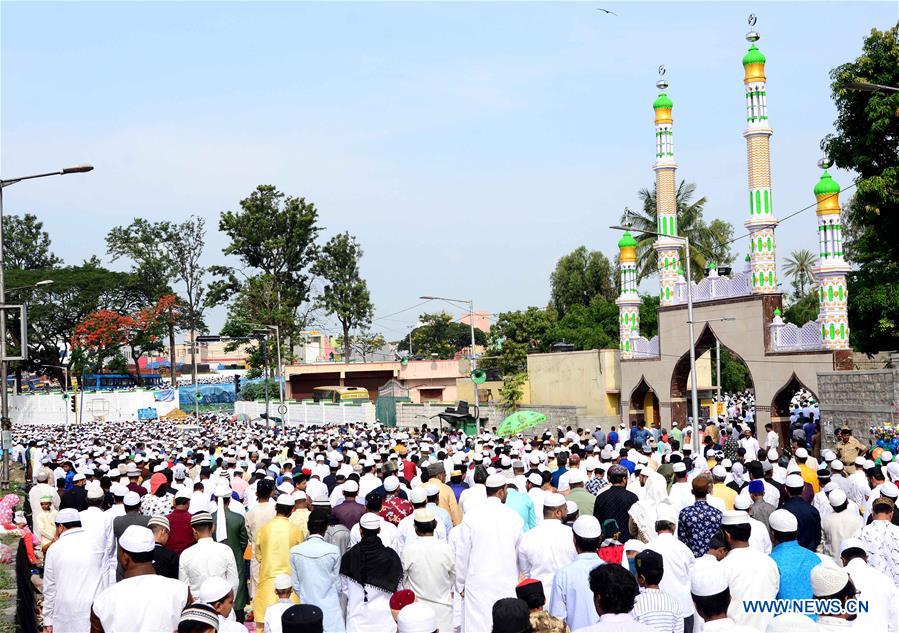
{"type": "Point", "coordinates": [227, 525]}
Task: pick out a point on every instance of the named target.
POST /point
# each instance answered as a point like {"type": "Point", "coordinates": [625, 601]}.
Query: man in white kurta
{"type": "Point", "coordinates": [751, 574]}
{"type": "Point", "coordinates": [39, 490]}
{"type": "Point", "coordinates": [429, 569]}
{"type": "Point", "coordinates": [677, 559]}
{"type": "Point", "coordinates": [759, 538]}
{"type": "Point", "coordinates": [875, 588]}
{"type": "Point", "coordinates": [548, 547]}
{"type": "Point", "coordinates": [487, 556]}
{"type": "Point", "coordinates": [72, 570]}
{"type": "Point", "coordinates": [206, 558]}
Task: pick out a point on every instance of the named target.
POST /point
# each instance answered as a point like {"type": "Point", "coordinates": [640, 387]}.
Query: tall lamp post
{"type": "Point", "coordinates": [472, 359]}
{"type": "Point", "coordinates": [5, 424]}
{"type": "Point", "coordinates": [277, 331]}
{"type": "Point", "coordinates": [694, 397]}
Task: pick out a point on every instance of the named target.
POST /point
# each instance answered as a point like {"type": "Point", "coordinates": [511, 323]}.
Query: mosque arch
{"type": "Point", "coordinates": [780, 407]}
{"type": "Point", "coordinates": [680, 388]}
{"type": "Point", "coordinates": [644, 404]}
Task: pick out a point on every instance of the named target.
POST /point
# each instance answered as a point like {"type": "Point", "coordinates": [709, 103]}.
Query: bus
{"type": "Point", "coordinates": [337, 395]}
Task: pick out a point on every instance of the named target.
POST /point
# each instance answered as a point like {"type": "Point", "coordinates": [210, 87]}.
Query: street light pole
{"type": "Point", "coordinates": [867, 86]}
{"type": "Point", "coordinates": [472, 363]}
{"type": "Point", "coordinates": [5, 423]}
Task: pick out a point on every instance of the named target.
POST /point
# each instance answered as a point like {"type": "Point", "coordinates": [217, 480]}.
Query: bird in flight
{"type": "Point", "coordinates": [606, 11]}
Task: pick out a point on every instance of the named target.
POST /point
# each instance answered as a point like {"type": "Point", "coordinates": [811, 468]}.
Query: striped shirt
{"type": "Point", "coordinates": [657, 609]}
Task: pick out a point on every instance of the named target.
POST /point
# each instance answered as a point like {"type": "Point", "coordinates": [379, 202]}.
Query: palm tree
{"type": "Point", "coordinates": [800, 268]}
{"type": "Point", "coordinates": [690, 225]}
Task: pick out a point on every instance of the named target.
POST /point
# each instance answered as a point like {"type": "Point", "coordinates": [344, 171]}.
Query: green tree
{"type": "Point", "coordinates": [649, 315]}
{"type": "Point", "coordinates": [580, 276]}
{"type": "Point", "coordinates": [438, 334]}
{"type": "Point", "coordinates": [185, 243]}
{"type": "Point", "coordinates": [591, 327]}
{"type": "Point", "coordinates": [143, 242]}
{"type": "Point", "coordinates": [273, 236]}
{"type": "Point", "coordinates": [512, 391]}
{"type": "Point", "coordinates": [26, 245]}
{"type": "Point", "coordinates": [800, 268]}
{"type": "Point", "coordinates": [514, 335]}
{"type": "Point", "coordinates": [345, 293]}
{"type": "Point", "coordinates": [734, 374]}
{"type": "Point", "coordinates": [714, 242]}
{"type": "Point", "coordinates": [866, 142]}
{"type": "Point", "coordinates": [803, 309]}
{"type": "Point", "coordinates": [367, 343]}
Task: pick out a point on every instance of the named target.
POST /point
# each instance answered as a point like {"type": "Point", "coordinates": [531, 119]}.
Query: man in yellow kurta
{"type": "Point", "coordinates": [272, 550]}
{"type": "Point", "coordinates": [300, 516]}
{"type": "Point", "coordinates": [447, 499]}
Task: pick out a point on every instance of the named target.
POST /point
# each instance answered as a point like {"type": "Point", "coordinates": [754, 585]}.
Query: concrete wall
{"type": "Point", "coordinates": [587, 380]}
{"type": "Point", "coordinates": [410, 414]}
{"type": "Point", "coordinates": [107, 405]}
{"type": "Point", "coordinates": [857, 399]}
{"type": "Point", "coordinates": [488, 392]}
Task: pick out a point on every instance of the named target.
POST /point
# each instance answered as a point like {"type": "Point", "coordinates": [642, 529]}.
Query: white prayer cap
{"type": "Point", "coordinates": [837, 497]}
{"type": "Point", "coordinates": [222, 490]}
{"type": "Point", "coordinates": [587, 527]}
{"type": "Point", "coordinates": [78, 477]}
{"type": "Point", "coordinates": [893, 471]}
{"type": "Point", "coordinates": [886, 457]}
{"type": "Point", "coordinates": [287, 488]}
{"type": "Point", "coordinates": [719, 471]}
{"type": "Point", "coordinates": [570, 507]}
{"type": "Point", "coordinates": [370, 521]}
{"type": "Point", "coordinates": [282, 582]}
{"type": "Point", "coordinates": [869, 464]}
{"type": "Point", "coordinates": [418, 495]}
{"type": "Point", "coordinates": [159, 521]}
{"type": "Point", "coordinates": [791, 623]}
{"type": "Point", "coordinates": [590, 464]}
{"type": "Point", "coordinates": [496, 481]}
{"type": "Point", "coordinates": [778, 476]}
{"type": "Point", "coordinates": [131, 499]}
{"type": "Point", "coordinates": [505, 461]}
{"type": "Point", "coordinates": [214, 589]}
{"type": "Point", "coordinates": [735, 517]}
{"type": "Point", "coordinates": [836, 465]}
{"type": "Point", "coordinates": [553, 500]}
{"type": "Point", "coordinates": [666, 512]}
{"type": "Point", "coordinates": [20, 518]}
{"type": "Point", "coordinates": [742, 502]}
{"type": "Point", "coordinates": [801, 453]}
{"type": "Point", "coordinates": [136, 539]}
{"type": "Point", "coordinates": [351, 486]}
{"type": "Point", "coordinates": [416, 618]}
{"type": "Point", "coordinates": [772, 455]}
{"type": "Point", "coordinates": [534, 459]}
{"type": "Point", "coordinates": [606, 453]}
{"type": "Point", "coordinates": [575, 476]}
{"type": "Point", "coordinates": [707, 581]}
{"type": "Point", "coordinates": [727, 463]}
{"type": "Point", "coordinates": [94, 492]}
{"type": "Point", "coordinates": [829, 455]}
{"type": "Point", "coordinates": [118, 490]}
{"type": "Point", "coordinates": [391, 483]}
{"type": "Point", "coordinates": [679, 467]}
{"type": "Point", "coordinates": [333, 464]}
{"type": "Point", "coordinates": [284, 500]}
{"type": "Point", "coordinates": [423, 515]}
{"type": "Point", "coordinates": [783, 521]}
{"type": "Point", "coordinates": [67, 515]}
{"type": "Point", "coordinates": [633, 545]}
{"type": "Point", "coordinates": [535, 479]}
{"type": "Point", "coordinates": [298, 495]}
{"type": "Point", "coordinates": [794, 481]}
{"type": "Point", "coordinates": [827, 580]}
{"type": "Point", "coordinates": [432, 490]}
{"type": "Point", "coordinates": [890, 490]}
{"type": "Point", "coordinates": [852, 543]}
{"type": "Point", "coordinates": [183, 493]}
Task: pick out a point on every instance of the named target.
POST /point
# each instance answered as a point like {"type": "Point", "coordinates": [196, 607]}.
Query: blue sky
{"type": "Point", "coordinates": [466, 145]}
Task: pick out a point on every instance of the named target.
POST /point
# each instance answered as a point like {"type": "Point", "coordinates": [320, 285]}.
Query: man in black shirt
{"type": "Point", "coordinates": [165, 561]}
{"type": "Point", "coordinates": [615, 502]}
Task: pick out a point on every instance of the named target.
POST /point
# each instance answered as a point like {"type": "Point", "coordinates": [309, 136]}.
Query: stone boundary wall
{"type": "Point", "coordinates": [857, 399]}
{"type": "Point", "coordinates": [410, 414]}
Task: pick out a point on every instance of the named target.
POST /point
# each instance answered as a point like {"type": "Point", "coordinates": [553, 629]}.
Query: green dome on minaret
{"type": "Point", "coordinates": [826, 185]}
{"type": "Point", "coordinates": [627, 241]}
{"type": "Point", "coordinates": [753, 56]}
{"type": "Point", "coordinates": [662, 101]}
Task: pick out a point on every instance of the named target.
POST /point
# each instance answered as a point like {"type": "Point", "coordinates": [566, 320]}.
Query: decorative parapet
{"type": "Point", "coordinates": [715, 287]}
{"type": "Point", "coordinates": [787, 337]}
{"type": "Point", "coordinates": [643, 348]}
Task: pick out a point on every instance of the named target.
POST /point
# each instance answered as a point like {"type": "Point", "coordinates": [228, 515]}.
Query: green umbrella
{"type": "Point", "coordinates": [519, 421]}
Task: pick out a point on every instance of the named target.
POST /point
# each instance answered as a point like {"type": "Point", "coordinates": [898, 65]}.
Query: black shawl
{"type": "Point", "coordinates": [370, 563]}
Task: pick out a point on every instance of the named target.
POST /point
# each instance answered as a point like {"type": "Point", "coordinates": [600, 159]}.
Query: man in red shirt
{"type": "Point", "coordinates": [181, 534]}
